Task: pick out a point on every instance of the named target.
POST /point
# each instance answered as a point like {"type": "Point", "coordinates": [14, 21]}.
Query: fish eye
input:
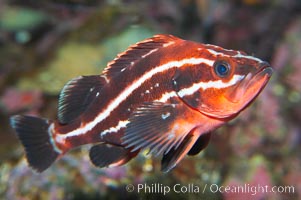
{"type": "Point", "coordinates": [221, 68]}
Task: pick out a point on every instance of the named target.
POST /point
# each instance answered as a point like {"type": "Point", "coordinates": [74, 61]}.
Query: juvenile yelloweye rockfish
{"type": "Point", "coordinates": [164, 94]}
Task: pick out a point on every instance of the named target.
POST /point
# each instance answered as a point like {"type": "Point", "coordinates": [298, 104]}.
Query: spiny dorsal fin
{"type": "Point", "coordinates": [77, 95]}
{"type": "Point", "coordinates": [137, 52]}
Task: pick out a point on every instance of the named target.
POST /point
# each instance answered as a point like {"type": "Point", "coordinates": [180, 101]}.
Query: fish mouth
{"type": "Point", "coordinates": [251, 85]}
{"type": "Point", "coordinates": [267, 69]}
{"type": "Point", "coordinates": [264, 70]}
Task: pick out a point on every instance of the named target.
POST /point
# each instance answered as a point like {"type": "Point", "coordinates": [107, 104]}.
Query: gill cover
{"type": "Point", "coordinates": [205, 93]}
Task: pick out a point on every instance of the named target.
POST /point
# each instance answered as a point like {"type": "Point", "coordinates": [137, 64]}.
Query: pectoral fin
{"type": "Point", "coordinates": [175, 155]}
{"type": "Point", "coordinates": [158, 126]}
{"type": "Point", "coordinates": [200, 144]}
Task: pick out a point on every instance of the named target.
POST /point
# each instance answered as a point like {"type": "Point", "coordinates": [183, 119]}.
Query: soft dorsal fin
{"type": "Point", "coordinates": [137, 52]}
{"type": "Point", "coordinates": [77, 94]}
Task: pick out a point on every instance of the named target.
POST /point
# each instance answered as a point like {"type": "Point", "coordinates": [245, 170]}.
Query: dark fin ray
{"type": "Point", "coordinates": [175, 155]}
{"type": "Point", "coordinates": [151, 124]}
{"type": "Point", "coordinates": [77, 95]}
{"type": "Point", "coordinates": [33, 134]}
{"type": "Point", "coordinates": [200, 144]}
{"type": "Point", "coordinates": [136, 52]}
{"type": "Point", "coordinates": [107, 155]}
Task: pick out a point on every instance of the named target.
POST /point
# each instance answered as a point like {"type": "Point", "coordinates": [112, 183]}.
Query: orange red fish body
{"type": "Point", "coordinates": [164, 94]}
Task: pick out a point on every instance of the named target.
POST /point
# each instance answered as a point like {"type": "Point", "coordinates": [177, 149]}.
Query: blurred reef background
{"type": "Point", "coordinates": [43, 44]}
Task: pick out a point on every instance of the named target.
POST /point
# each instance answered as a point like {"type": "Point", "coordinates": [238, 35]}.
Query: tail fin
{"type": "Point", "coordinates": [33, 134]}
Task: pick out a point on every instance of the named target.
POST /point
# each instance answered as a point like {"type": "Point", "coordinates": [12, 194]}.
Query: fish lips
{"type": "Point", "coordinates": [251, 85]}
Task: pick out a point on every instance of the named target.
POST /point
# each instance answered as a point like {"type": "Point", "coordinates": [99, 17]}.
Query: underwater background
{"type": "Point", "coordinates": [43, 44]}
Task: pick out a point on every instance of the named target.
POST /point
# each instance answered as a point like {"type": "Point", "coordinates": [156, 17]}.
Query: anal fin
{"type": "Point", "coordinates": [107, 155]}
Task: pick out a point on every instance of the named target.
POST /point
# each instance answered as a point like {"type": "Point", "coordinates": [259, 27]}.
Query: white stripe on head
{"type": "Point", "coordinates": [217, 53]}
{"type": "Point", "coordinates": [238, 55]}
{"type": "Point", "coordinates": [129, 90]}
{"type": "Point", "coordinates": [219, 84]}
{"type": "Point", "coordinates": [210, 84]}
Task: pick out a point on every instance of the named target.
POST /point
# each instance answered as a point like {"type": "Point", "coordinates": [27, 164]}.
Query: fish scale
{"type": "Point", "coordinates": [164, 93]}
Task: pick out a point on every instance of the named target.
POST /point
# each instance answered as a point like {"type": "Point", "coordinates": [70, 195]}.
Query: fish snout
{"type": "Point", "coordinates": [265, 68]}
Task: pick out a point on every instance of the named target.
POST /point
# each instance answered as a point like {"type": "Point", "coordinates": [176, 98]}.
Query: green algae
{"type": "Point", "coordinates": [15, 18]}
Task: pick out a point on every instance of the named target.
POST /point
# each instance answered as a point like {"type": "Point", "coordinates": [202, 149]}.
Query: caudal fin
{"type": "Point", "coordinates": [33, 134]}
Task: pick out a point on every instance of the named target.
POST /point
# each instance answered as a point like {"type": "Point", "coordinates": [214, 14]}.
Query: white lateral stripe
{"type": "Point", "coordinates": [167, 96]}
{"type": "Point", "coordinates": [128, 91]}
{"type": "Point", "coordinates": [210, 84]}
{"type": "Point", "coordinates": [120, 125]}
{"type": "Point", "coordinates": [52, 140]}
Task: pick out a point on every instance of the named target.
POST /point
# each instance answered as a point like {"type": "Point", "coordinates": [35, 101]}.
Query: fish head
{"type": "Point", "coordinates": [239, 79]}
{"type": "Point", "coordinates": [229, 83]}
